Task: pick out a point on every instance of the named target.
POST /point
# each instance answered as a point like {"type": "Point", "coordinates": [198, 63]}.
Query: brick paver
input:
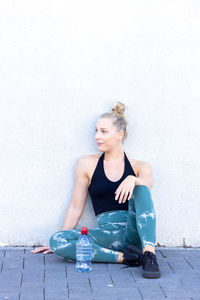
{"type": "Point", "coordinates": [28, 276]}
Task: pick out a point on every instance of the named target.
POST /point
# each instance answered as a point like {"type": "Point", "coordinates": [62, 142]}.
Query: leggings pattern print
{"type": "Point", "coordinates": [115, 230]}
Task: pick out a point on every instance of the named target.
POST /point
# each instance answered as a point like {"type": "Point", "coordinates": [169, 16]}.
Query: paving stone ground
{"type": "Point", "coordinates": [28, 276]}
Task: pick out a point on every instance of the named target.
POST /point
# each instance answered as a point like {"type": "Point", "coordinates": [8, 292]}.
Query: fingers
{"type": "Point", "coordinates": [118, 192]}
{"type": "Point", "coordinates": [123, 196]}
{"type": "Point", "coordinates": [48, 252]}
{"type": "Point", "coordinates": [37, 250]}
{"type": "Point", "coordinates": [41, 249]}
{"type": "Point", "coordinates": [125, 189]}
{"type": "Point", "coordinates": [130, 194]}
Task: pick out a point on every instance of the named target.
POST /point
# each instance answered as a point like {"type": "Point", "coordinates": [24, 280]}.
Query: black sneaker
{"type": "Point", "coordinates": [132, 256]}
{"type": "Point", "coordinates": [150, 265]}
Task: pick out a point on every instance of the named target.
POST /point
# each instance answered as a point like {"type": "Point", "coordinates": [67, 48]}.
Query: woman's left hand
{"type": "Point", "coordinates": [125, 189]}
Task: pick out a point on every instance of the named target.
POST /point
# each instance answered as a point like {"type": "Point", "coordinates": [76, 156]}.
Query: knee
{"type": "Point", "coordinates": [62, 244]}
{"type": "Point", "coordinates": [143, 198]}
{"type": "Point", "coordinates": [141, 187]}
{"type": "Point", "coordinates": [141, 190]}
{"type": "Point", "coordinates": [54, 241]}
{"type": "Point", "coordinates": [62, 237]}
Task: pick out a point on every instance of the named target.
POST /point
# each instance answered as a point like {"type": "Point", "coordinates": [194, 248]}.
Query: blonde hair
{"type": "Point", "coordinates": [118, 117]}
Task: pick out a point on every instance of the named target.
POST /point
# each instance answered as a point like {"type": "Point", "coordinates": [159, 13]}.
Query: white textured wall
{"type": "Point", "coordinates": [62, 64]}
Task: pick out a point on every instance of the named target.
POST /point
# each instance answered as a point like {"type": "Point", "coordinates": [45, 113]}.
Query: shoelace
{"type": "Point", "coordinates": [150, 258]}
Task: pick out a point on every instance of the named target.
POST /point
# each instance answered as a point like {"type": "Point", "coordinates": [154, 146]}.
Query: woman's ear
{"type": "Point", "coordinates": [120, 134]}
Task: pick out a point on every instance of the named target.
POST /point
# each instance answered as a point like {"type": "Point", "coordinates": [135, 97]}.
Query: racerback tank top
{"type": "Point", "coordinates": [102, 190]}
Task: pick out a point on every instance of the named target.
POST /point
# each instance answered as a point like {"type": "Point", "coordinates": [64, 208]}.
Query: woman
{"type": "Point", "coordinates": [121, 198]}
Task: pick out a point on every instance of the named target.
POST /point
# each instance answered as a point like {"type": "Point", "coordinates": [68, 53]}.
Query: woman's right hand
{"type": "Point", "coordinates": [44, 249]}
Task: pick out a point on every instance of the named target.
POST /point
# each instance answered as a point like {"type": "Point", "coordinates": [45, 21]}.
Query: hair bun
{"type": "Point", "coordinates": [119, 109]}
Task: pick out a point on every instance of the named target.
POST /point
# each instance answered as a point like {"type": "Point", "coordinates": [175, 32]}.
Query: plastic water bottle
{"type": "Point", "coordinates": [84, 252]}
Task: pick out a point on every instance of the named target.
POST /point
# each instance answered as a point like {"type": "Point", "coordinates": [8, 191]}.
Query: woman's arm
{"type": "Point", "coordinates": [79, 197]}
{"type": "Point", "coordinates": [144, 174]}
{"type": "Point", "coordinates": [78, 201]}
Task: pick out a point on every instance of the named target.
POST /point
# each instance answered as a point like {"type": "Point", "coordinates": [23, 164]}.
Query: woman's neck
{"type": "Point", "coordinates": [114, 155]}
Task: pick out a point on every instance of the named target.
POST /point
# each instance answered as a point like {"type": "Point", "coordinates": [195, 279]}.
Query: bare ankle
{"type": "Point", "coordinates": [149, 248]}
{"type": "Point", "coordinates": [120, 258]}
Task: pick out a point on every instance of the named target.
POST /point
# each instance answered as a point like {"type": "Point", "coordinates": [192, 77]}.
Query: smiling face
{"type": "Point", "coordinates": [107, 136]}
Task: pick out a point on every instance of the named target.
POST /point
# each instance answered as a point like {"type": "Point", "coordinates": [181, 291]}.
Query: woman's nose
{"type": "Point", "coordinates": [97, 135]}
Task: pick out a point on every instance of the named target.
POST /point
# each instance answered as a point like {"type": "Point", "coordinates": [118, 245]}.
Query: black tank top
{"type": "Point", "coordinates": [102, 190]}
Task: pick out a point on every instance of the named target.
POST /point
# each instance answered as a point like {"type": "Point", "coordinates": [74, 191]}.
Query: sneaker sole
{"type": "Point", "coordinates": [151, 274]}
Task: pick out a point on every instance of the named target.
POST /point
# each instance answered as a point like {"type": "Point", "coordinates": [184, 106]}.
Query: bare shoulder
{"type": "Point", "coordinates": [89, 158]}
{"type": "Point", "coordinates": [88, 163]}
{"type": "Point", "coordinates": [144, 172]}
{"type": "Point", "coordinates": [139, 165]}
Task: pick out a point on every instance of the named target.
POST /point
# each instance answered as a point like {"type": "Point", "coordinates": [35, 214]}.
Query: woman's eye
{"type": "Point", "coordinates": [102, 130]}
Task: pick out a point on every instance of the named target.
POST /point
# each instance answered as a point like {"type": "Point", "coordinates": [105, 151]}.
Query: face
{"type": "Point", "coordinates": [107, 136]}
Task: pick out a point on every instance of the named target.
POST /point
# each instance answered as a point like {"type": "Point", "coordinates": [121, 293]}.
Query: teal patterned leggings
{"type": "Point", "coordinates": [116, 229]}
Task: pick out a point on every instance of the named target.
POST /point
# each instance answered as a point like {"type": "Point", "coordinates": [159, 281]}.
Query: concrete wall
{"type": "Point", "coordinates": [62, 64]}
